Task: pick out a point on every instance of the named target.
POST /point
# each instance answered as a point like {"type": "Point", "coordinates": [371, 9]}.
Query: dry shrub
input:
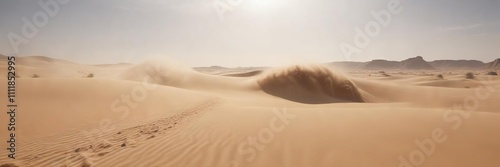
{"type": "Point", "coordinates": [492, 73]}
{"type": "Point", "coordinates": [469, 75]}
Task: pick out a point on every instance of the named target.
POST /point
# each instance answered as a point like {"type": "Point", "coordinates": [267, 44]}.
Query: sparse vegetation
{"type": "Point", "coordinates": [440, 76]}
{"type": "Point", "coordinates": [492, 73]}
{"type": "Point", "coordinates": [469, 75]}
{"type": "Point", "coordinates": [384, 74]}
{"type": "Point", "coordinates": [91, 75]}
{"type": "Point", "coordinates": [36, 76]}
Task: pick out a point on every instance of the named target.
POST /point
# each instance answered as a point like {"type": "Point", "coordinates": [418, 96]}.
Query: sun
{"type": "Point", "coordinates": [265, 7]}
{"type": "Point", "coordinates": [264, 3]}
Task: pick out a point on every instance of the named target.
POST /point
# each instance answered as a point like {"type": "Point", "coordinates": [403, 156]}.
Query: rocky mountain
{"type": "Point", "coordinates": [457, 64]}
{"type": "Point", "coordinates": [381, 64]}
{"type": "Point", "coordinates": [415, 63]}
{"type": "Point", "coordinates": [494, 65]}
{"type": "Point", "coordinates": [348, 65]}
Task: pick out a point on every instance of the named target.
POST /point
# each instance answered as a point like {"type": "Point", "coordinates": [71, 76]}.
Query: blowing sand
{"type": "Point", "coordinates": [163, 114]}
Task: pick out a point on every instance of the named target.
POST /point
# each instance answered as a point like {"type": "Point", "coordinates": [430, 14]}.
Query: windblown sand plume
{"type": "Point", "coordinates": [163, 72]}
{"type": "Point", "coordinates": [309, 84]}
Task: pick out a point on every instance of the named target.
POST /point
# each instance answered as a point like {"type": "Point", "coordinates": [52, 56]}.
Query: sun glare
{"type": "Point", "coordinates": [265, 3]}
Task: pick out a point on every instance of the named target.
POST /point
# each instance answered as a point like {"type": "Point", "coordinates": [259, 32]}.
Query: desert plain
{"type": "Point", "coordinates": [346, 114]}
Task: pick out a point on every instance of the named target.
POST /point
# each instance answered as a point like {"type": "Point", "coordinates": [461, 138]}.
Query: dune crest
{"type": "Point", "coordinates": [313, 84]}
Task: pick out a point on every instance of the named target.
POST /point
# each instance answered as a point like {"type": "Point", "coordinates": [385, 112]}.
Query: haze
{"type": "Point", "coordinates": [255, 32]}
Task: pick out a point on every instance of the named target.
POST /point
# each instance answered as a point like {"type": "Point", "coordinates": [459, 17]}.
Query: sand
{"type": "Point", "coordinates": [160, 113]}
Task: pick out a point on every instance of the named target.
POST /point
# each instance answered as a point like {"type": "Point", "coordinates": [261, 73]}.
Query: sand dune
{"type": "Point", "coordinates": [244, 74]}
{"type": "Point", "coordinates": [310, 84]}
{"type": "Point", "coordinates": [161, 113]}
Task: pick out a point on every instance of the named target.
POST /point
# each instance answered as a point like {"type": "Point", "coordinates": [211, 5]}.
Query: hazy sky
{"type": "Point", "coordinates": [253, 33]}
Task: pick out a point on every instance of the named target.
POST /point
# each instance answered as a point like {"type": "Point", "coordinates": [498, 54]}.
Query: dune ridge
{"type": "Point", "coordinates": [309, 84]}
{"type": "Point", "coordinates": [314, 84]}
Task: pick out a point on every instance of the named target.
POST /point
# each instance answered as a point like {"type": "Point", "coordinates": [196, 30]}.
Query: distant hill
{"type": "Point", "coordinates": [494, 65]}
{"type": "Point", "coordinates": [381, 64]}
{"type": "Point", "coordinates": [458, 64]}
{"type": "Point", "coordinates": [347, 65]}
{"type": "Point", "coordinates": [211, 68]}
{"type": "Point", "coordinates": [416, 63]}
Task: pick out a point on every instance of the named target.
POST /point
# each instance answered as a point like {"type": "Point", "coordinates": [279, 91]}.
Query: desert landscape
{"type": "Point", "coordinates": [249, 83]}
{"type": "Point", "coordinates": [159, 113]}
